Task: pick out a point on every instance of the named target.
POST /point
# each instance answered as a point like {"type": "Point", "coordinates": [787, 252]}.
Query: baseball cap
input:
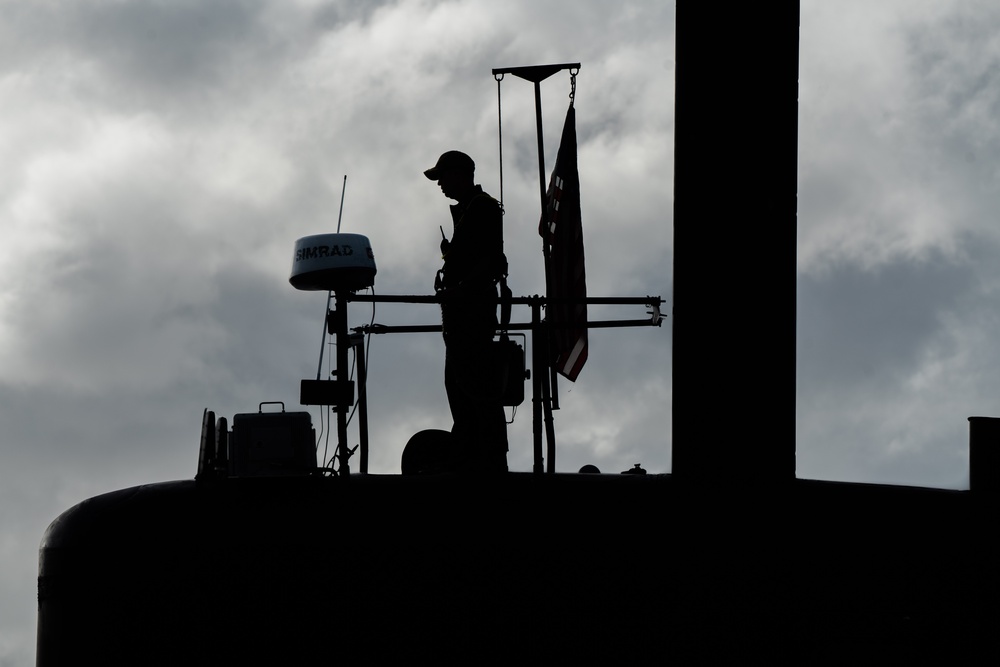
{"type": "Point", "coordinates": [451, 161]}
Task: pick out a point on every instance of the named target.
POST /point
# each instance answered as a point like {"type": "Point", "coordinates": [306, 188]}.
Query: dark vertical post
{"type": "Point", "coordinates": [538, 366]}
{"type": "Point", "coordinates": [343, 342]}
{"type": "Point", "coordinates": [735, 164]}
{"type": "Point", "coordinates": [358, 343]}
{"type": "Point", "coordinates": [541, 144]}
{"type": "Point", "coordinates": [548, 392]}
{"type": "Point", "coordinates": [984, 455]}
{"type": "Point", "coordinates": [548, 377]}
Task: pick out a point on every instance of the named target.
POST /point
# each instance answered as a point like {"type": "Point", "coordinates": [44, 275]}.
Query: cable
{"type": "Point", "coordinates": [326, 430]}
{"type": "Point", "coordinates": [368, 339]}
{"type": "Point", "coordinates": [513, 414]}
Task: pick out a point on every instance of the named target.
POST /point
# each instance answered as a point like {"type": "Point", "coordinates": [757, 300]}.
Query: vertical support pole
{"type": "Point", "coordinates": [343, 342]}
{"type": "Point", "coordinates": [541, 145]}
{"type": "Point", "coordinates": [358, 343]}
{"type": "Point", "coordinates": [538, 367]}
{"type": "Point", "coordinates": [550, 431]}
{"type": "Point", "coordinates": [549, 375]}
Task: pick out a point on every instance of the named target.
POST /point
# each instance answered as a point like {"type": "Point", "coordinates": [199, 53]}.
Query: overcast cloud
{"type": "Point", "coordinates": [898, 234]}
{"type": "Point", "coordinates": [161, 159]}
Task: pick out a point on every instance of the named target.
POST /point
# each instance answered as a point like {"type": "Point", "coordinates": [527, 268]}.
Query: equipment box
{"type": "Point", "coordinates": [277, 444]}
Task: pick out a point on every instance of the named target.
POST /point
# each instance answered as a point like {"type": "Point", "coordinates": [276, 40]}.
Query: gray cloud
{"type": "Point", "coordinates": [897, 208]}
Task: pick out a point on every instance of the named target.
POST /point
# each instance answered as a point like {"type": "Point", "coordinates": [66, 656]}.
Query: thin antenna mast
{"type": "Point", "coordinates": [342, 192]}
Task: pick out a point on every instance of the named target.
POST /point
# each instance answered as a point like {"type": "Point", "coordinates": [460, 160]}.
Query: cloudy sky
{"type": "Point", "coordinates": [161, 158]}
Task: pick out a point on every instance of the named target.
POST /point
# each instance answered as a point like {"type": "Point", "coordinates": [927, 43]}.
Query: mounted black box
{"type": "Point", "coordinates": [510, 357]}
{"type": "Point", "coordinates": [278, 444]}
{"type": "Point", "coordinates": [327, 392]}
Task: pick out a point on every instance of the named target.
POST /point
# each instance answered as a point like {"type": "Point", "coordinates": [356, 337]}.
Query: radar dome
{"type": "Point", "coordinates": [333, 262]}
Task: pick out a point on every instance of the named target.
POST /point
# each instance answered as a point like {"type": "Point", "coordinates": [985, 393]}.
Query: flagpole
{"type": "Point", "coordinates": [549, 400]}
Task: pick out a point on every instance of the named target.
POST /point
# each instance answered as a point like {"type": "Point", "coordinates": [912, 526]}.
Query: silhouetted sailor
{"type": "Point", "coordinates": [467, 284]}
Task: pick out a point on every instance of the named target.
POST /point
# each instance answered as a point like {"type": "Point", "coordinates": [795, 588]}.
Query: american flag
{"type": "Point", "coordinates": [562, 228]}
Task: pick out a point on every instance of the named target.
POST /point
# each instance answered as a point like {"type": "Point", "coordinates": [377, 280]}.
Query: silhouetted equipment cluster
{"type": "Point", "coordinates": [343, 264]}
{"type": "Point", "coordinates": [261, 444]}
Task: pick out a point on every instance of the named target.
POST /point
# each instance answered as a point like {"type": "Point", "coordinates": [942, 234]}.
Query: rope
{"type": "Point", "coordinates": [499, 78]}
{"type": "Point", "coordinates": [505, 293]}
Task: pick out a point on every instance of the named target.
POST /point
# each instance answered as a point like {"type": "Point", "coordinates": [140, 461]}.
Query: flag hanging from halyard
{"type": "Point", "coordinates": [562, 228]}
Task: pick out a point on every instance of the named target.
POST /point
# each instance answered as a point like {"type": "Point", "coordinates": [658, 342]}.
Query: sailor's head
{"type": "Point", "coordinates": [454, 172]}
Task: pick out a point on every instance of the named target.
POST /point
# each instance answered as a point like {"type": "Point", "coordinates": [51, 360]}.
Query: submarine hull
{"type": "Point", "coordinates": [516, 566]}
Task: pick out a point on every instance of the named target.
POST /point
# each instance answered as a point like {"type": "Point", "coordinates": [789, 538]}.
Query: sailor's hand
{"type": "Point", "coordinates": [445, 244]}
